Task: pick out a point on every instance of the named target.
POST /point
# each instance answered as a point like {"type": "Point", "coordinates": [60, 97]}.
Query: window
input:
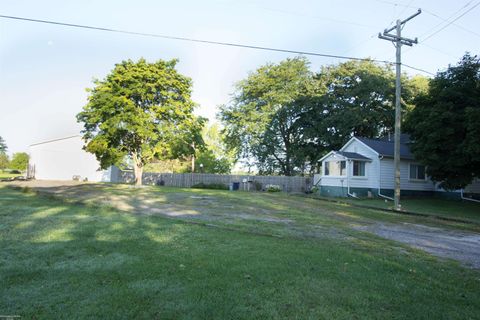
{"type": "Point", "coordinates": [343, 168]}
{"type": "Point", "coordinates": [358, 168]}
{"type": "Point", "coordinates": [417, 172]}
{"type": "Point", "coordinates": [335, 168]}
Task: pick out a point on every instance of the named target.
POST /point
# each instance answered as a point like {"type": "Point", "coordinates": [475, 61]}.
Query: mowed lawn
{"type": "Point", "coordinates": [7, 175]}
{"type": "Point", "coordinates": [61, 261]}
{"type": "Point", "coordinates": [454, 209]}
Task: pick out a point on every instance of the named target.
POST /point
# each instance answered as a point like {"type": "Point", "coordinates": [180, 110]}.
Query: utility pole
{"type": "Point", "coordinates": [398, 41]}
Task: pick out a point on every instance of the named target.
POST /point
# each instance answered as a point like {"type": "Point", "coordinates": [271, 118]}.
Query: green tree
{"type": "Point", "coordinates": [445, 125]}
{"type": "Point", "coordinates": [260, 121]}
{"type": "Point", "coordinates": [215, 157]}
{"type": "Point", "coordinates": [4, 161]}
{"type": "Point", "coordinates": [3, 145]}
{"type": "Point", "coordinates": [19, 161]}
{"type": "Point", "coordinates": [141, 110]}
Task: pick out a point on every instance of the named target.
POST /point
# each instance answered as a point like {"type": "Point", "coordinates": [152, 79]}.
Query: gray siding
{"type": "Point", "coordinates": [371, 168]}
{"type": "Point", "coordinates": [474, 187]}
{"type": "Point", "coordinates": [387, 177]}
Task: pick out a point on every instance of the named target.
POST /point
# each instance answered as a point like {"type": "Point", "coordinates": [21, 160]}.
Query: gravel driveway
{"type": "Point", "coordinates": [453, 244]}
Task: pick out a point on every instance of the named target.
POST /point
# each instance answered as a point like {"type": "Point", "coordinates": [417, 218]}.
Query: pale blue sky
{"type": "Point", "coordinates": [45, 69]}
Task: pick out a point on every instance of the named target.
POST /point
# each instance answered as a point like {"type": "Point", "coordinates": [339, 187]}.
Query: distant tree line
{"type": "Point", "coordinates": [18, 162]}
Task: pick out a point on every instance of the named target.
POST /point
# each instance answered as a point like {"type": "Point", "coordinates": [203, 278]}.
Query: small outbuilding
{"type": "Point", "coordinates": [65, 159]}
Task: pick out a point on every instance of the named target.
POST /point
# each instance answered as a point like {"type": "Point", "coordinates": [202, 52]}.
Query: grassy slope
{"type": "Point", "coordinates": [465, 210]}
{"type": "Point", "coordinates": [61, 260]}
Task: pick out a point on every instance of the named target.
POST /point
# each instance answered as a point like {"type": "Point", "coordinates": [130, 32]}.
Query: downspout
{"type": "Point", "coordinates": [469, 199]}
{"type": "Point", "coordinates": [379, 180]}
{"type": "Point", "coordinates": [347, 168]}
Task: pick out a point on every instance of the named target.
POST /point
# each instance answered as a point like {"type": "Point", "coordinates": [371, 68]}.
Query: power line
{"type": "Point", "coordinates": [406, 6]}
{"type": "Point", "coordinates": [229, 44]}
{"type": "Point", "coordinates": [418, 69]}
{"type": "Point", "coordinates": [451, 22]}
{"type": "Point", "coordinates": [456, 25]}
{"type": "Point", "coordinates": [154, 35]}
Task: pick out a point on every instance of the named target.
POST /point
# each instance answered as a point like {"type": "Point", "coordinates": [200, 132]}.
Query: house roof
{"type": "Point", "coordinates": [353, 155]}
{"type": "Point", "coordinates": [385, 147]}
{"type": "Point", "coordinates": [347, 155]}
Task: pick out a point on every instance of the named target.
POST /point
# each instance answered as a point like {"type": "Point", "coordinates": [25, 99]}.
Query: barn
{"type": "Point", "coordinates": [65, 159]}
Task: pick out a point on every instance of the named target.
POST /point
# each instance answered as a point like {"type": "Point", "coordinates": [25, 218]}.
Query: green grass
{"type": "Point", "coordinates": [455, 209]}
{"type": "Point", "coordinates": [62, 260]}
{"type": "Point", "coordinates": [5, 175]}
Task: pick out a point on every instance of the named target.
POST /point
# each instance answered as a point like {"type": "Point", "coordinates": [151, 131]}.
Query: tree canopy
{"type": "Point", "coordinates": [260, 121]}
{"type": "Point", "coordinates": [445, 125]}
{"type": "Point", "coordinates": [19, 161]}
{"type": "Point", "coordinates": [286, 117]}
{"type": "Point", "coordinates": [3, 145]}
{"type": "Point", "coordinates": [141, 110]}
{"type": "Point", "coordinates": [4, 161]}
{"type": "Point", "coordinates": [214, 158]}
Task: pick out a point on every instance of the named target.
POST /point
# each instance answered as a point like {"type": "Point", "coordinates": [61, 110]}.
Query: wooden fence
{"type": "Point", "coordinates": [248, 183]}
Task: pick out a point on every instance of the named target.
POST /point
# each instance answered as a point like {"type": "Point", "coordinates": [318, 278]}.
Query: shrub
{"type": "Point", "coordinates": [215, 186]}
{"type": "Point", "coordinates": [273, 188]}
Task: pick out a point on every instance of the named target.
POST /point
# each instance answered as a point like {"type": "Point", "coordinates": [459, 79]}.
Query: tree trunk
{"type": "Point", "coordinates": [138, 170]}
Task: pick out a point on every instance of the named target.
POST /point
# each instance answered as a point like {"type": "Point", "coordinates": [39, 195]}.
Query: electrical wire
{"type": "Point", "coordinates": [451, 22]}
{"type": "Point", "coordinates": [230, 44]}
{"type": "Point", "coordinates": [454, 24]}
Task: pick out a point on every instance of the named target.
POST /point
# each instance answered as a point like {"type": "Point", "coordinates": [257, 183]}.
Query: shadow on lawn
{"type": "Point", "coordinates": [60, 259]}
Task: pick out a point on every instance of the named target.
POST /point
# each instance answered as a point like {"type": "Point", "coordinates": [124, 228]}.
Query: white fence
{"type": "Point", "coordinates": [244, 182]}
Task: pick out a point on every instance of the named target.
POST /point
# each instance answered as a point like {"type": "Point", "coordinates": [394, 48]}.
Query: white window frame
{"type": "Point", "coordinates": [364, 169]}
{"type": "Point", "coordinates": [410, 171]}
{"type": "Point", "coordinates": [325, 167]}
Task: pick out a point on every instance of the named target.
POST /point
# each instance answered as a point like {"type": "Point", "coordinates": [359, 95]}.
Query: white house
{"type": "Point", "coordinates": [365, 167]}
{"type": "Point", "coordinates": [65, 159]}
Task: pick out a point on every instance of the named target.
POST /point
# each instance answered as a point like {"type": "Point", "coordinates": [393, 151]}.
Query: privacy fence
{"type": "Point", "coordinates": [241, 182]}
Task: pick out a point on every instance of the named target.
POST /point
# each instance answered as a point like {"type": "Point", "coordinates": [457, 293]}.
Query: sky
{"type": "Point", "coordinates": [45, 69]}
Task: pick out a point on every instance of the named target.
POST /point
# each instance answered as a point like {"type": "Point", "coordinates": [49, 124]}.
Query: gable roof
{"type": "Point", "coordinates": [385, 147]}
{"type": "Point", "coordinates": [346, 155]}
{"type": "Point", "coordinates": [353, 155]}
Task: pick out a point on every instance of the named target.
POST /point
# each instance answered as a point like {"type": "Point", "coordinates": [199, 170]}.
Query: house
{"type": "Point", "coordinates": [365, 168]}
{"type": "Point", "coordinates": [65, 159]}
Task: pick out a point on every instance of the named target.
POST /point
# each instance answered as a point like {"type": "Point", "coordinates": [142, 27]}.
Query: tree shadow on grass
{"type": "Point", "coordinates": [63, 260]}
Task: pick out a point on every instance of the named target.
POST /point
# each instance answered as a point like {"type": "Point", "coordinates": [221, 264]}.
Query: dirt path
{"type": "Point", "coordinates": [446, 243]}
{"type": "Point", "coordinates": [453, 244]}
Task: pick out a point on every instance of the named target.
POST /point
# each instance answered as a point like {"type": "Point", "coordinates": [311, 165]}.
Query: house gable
{"type": "Point", "coordinates": [357, 146]}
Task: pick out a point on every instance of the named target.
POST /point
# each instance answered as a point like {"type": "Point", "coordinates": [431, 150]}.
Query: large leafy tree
{"type": "Point", "coordinates": [3, 145]}
{"type": "Point", "coordinates": [19, 161]}
{"type": "Point", "coordinates": [445, 125]}
{"type": "Point", "coordinates": [4, 161]}
{"type": "Point", "coordinates": [215, 157]}
{"type": "Point", "coordinates": [358, 100]}
{"type": "Point", "coordinates": [141, 110]}
{"type": "Point", "coordinates": [260, 121]}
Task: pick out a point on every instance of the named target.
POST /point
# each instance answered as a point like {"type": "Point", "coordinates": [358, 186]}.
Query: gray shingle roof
{"type": "Point", "coordinates": [352, 155]}
{"type": "Point", "coordinates": [385, 148]}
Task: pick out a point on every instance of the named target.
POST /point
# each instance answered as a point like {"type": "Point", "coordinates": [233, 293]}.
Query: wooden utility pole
{"type": "Point", "coordinates": [398, 41]}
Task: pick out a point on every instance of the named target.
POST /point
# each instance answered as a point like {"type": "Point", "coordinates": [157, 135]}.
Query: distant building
{"type": "Point", "coordinates": [65, 159]}
{"type": "Point", "coordinates": [365, 167]}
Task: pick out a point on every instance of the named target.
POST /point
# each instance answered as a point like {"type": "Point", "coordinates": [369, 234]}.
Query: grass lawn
{"type": "Point", "coordinates": [64, 260]}
{"type": "Point", "coordinates": [5, 175]}
{"type": "Point", "coordinates": [465, 210]}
